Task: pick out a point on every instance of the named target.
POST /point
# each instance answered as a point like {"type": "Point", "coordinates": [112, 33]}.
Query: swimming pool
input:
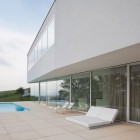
{"type": "Point", "coordinates": [11, 107]}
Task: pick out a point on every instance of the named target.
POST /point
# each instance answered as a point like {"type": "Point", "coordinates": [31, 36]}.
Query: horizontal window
{"type": "Point", "coordinates": [46, 41]}
{"type": "Point", "coordinates": [51, 33]}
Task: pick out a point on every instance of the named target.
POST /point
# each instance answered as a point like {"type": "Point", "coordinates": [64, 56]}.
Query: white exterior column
{"type": "Point", "coordinates": [128, 93]}
{"type": "Point", "coordinates": [90, 85]}
{"type": "Point", "coordinates": [70, 87]}
{"type": "Point", "coordinates": [46, 95]}
{"type": "Point", "coordinates": [39, 92]}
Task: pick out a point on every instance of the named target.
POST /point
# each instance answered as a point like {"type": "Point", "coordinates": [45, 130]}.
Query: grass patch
{"type": "Point", "coordinates": [10, 96]}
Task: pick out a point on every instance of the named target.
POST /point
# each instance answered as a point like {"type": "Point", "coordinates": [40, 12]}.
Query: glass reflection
{"type": "Point", "coordinates": [43, 92]}
{"type": "Point", "coordinates": [44, 42]}
{"type": "Point", "coordinates": [58, 91]}
{"type": "Point", "coordinates": [81, 91]}
{"type": "Point", "coordinates": [135, 93]}
{"type": "Point", "coordinates": [63, 90]}
{"type": "Point", "coordinates": [51, 34]}
{"type": "Point", "coordinates": [34, 92]}
{"type": "Point", "coordinates": [39, 51]}
{"type": "Point", "coordinates": [109, 89]}
{"type": "Point", "coordinates": [51, 93]}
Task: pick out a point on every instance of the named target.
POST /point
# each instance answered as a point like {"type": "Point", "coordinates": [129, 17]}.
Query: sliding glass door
{"type": "Point", "coordinates": [34, 92]}
{"type": "Point", "coordinates": [81, 91]}
{"type": "Point", "coordinates": [63, 90]}
{"type": "Point", "coordinates": [135, 93]}
{"type": "Point", "coordinates": [58, 91]}
{"type": "Point", "coordinates": [43, 92]}
{"type": "Point", "coordinates": [109, 89]}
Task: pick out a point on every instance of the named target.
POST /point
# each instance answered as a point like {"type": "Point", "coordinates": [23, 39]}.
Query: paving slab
{"type": "Point", "coordinates": [43, 123]}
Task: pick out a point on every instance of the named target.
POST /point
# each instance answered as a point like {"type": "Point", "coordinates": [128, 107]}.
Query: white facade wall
{"type": "Point", "coordinates": [88, 28]}
{"type": "Point", "coordinates": [89, 34]}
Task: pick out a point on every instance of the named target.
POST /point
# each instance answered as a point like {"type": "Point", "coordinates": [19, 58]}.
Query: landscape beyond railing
{"type": "Point", "coordinates": [10, 96]}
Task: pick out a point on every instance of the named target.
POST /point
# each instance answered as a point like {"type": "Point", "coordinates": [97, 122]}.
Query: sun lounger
{"type": "Point", "coordinates": [96, 116]}
{"type": "Point", "coordinates": [68, 108]}
{"type": "Point", "coordinates": [59, 108]}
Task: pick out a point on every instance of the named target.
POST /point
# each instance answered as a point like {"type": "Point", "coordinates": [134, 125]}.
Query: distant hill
{"type": "Point", "coordinates": [10, 96]}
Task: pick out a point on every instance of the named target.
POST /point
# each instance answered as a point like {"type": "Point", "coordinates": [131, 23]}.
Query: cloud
{"type": "Point", "coordinates": [14, 46]}
{"type": "Point", "coordinates": [4, 63]}
{"type": "Point", "coordinates": [13, 58]}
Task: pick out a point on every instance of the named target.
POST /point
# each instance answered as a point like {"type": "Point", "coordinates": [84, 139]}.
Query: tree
{"type": "Point", "coordinates": [64, 92]}
{"type": "Point", "coordinates": [19, 91]}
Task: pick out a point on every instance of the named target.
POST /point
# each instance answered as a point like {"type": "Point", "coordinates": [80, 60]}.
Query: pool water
{"type": "Point", "coordinates": [11, 107]}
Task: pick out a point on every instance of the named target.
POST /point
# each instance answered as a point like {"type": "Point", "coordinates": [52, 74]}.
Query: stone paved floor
{"type": "Point", "coordinates": [43, 123]}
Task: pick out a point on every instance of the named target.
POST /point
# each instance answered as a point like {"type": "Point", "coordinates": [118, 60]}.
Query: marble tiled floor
{"type": "Point", "coordinates": [43, 123]}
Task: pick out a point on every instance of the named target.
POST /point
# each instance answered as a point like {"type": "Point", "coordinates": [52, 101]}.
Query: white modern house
{"type": "Point", "coordinates": [88, 52]}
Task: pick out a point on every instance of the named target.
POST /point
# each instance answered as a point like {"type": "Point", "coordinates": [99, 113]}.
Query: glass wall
{"type": "Point", "coordinates": [46, 41]}
{"type": "Point", "coordinates": [135, 93]}
{"type": "Point", "coordinates": [43, 92]}
{"type": "Point", "coordinates": [81, 91]}
{"type": "Point", "coordinates": [51, 93]}
{"type": "Point", "coordinates": [58, 91]}
{"type": "Point", "coordinates": [36, 54]}
{"type": "Point", "coordinates": [31, 60]}
{"type": "Point", "coordinates": [39, 49]}
{"type": "Point", "coordinates": [51, 34]}
{"type": "Point", "coordinates": [34, 92]}
{"type": "Point", "coordinates": [63, 90]}
{"type": "Point", "coordinates": [109, 89]}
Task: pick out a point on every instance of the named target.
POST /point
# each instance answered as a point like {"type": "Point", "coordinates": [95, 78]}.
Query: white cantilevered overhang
{"type": "Point", "coordinates": [118, 57]}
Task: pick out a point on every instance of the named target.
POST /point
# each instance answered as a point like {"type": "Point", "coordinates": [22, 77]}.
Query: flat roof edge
{"type": "Point", "coordinates": [41, 27]}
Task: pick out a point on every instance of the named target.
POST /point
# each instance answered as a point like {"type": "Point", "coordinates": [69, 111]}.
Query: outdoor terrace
{"type": "Point", "coordinates": [43, 123]}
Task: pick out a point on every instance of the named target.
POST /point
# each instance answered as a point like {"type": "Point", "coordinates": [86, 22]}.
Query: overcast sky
{"type": "Point", "coordinates": [20, 21]}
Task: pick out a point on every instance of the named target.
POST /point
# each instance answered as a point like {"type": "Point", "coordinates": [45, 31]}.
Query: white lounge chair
{"type": "Point", "coordinates": [68, 108]}
{"type": "Point", "coordinates": [96, 116]}
{"type": "Point", "coordinates": [59, 108]}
